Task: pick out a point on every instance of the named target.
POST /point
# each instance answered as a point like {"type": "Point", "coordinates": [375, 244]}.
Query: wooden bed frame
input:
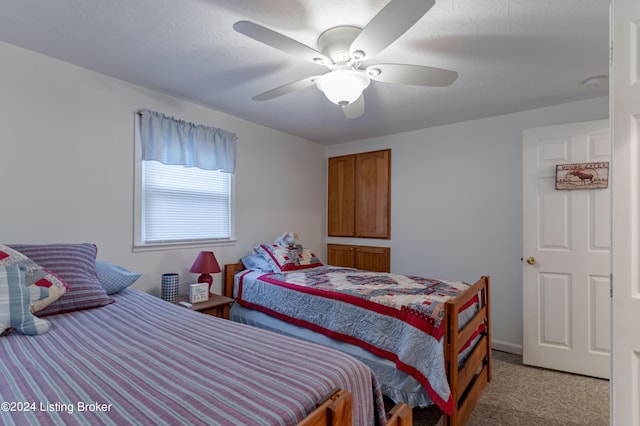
{"type": "Point", "coordinates": [466, 381]}
{"type": "Point", "coordinates": [334, 410]}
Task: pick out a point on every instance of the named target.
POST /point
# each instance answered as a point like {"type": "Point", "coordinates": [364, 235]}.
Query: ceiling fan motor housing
{"type": "Point", "coordinates": [344, 84]}
{"type": "Point", "coordinates": [335, 43]}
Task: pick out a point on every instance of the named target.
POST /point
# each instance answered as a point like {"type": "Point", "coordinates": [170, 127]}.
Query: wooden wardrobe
{"type": "Point", "coordinates": [359, 206]}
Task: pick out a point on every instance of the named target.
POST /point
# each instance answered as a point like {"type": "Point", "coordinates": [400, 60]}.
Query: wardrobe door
{"type": "Point", "coordinates": [376, 259]}
{"type": "Point", "coordinates": [341, 255]}
{"type": "Point", "coordinates": [372, 194]}
{"type": "Point", "coordinates": [368, 258]}
{"type": "Point", "coordinates": [341, 199]}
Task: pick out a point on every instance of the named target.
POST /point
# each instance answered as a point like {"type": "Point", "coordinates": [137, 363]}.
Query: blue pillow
{"type": "Point", "coordinates": [256, 262]}
{"type": "Point", "coordinates": [15, 301]}
{"type": "Point", "coordinates": [115, 278]}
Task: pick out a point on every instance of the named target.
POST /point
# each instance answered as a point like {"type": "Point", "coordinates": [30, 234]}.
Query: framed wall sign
{"type": "Point", "coordinates": [198, 292]}
{"type": "Point", "coordinates": [582, 175]}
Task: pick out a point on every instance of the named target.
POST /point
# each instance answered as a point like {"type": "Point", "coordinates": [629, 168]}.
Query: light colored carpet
{"type": "Point", "coordinates": [521, 395]}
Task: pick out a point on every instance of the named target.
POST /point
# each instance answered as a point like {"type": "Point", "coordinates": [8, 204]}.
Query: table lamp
{"type": "Point", "coordinates": [205, 264]}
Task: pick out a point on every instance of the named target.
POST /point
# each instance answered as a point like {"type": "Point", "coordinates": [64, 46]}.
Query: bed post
{"type": "Point", "coordinates": [230, 270]}
{"type": "Point", "coordinates": [487, 303]}
{"type": "Point", "coordinates": [451, 360]}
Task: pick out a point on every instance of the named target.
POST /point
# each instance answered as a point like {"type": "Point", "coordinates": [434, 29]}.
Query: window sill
{"type": "Point", "coordinates": [136, 248]}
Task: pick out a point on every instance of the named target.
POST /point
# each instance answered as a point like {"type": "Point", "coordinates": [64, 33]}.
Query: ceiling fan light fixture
{"type": "Point", "coordinates": [343, 86]}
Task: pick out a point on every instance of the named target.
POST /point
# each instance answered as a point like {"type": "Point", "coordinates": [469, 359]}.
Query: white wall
{"type": "Point", "coordinates": [66, 167]}
{"type": "Point", "coordinates": [456, 209]}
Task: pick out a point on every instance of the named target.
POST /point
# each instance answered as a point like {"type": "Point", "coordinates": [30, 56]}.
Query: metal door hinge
{"type": "Point", "coordinates": [611, 53]}
{"type": "Point", "coordinates": [611, 285]}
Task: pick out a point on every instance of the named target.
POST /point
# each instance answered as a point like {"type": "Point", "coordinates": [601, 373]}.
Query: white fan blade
{"type": "Point", "coordinates": [389, 24]}
{"type": "Point", "coordinates": [280, 42]}
{"type": "Point", "coordinates": [355, 108]}
{"type": "Point", "coordinates": [286, 88]}
{"type": "Point", "coordinates": [411, 74]}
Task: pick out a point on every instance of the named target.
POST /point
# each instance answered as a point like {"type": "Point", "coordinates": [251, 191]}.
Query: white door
{"type": "Point", "coordinates": [566, 250]}
{"type": "Point", "coordinates": [625, 126]}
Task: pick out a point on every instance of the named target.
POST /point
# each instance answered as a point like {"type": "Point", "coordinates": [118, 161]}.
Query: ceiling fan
{"type": "Point", "coordinates": [343, 50]}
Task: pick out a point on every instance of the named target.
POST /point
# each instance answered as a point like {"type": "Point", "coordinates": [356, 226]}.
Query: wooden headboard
{"type": "Point", "coordinates": [230, 270]}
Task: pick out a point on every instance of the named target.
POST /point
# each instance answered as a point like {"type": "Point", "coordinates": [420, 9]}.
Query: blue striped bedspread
{"type": "Point", "coordinates": [143, 361]}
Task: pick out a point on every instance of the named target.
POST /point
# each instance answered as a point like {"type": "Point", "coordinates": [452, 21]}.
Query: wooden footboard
{"type": "Point", "coordinates": [334, 410]}
{"type": "Point", "coordinates": [468, 380]}
{"type": "Point", "coordinates": [400, 415]}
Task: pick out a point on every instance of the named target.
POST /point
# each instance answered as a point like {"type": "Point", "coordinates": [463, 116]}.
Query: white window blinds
{"type": "Point", "coordinates": [182, 204]}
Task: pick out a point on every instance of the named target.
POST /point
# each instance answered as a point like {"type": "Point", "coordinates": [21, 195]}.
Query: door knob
{"type": "Point", "coordinates": [531, 260]}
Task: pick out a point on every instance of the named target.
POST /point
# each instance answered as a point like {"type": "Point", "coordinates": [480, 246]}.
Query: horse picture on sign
{"type": "Point", "coordinates": [582, 175]}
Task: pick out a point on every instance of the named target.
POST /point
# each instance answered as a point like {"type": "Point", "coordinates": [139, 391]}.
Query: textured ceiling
{"type": "Point", "coordinates": [511, 55]}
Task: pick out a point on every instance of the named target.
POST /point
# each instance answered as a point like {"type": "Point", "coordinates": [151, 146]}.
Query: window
{"type": "Point", "coordinates": [184, 204]}
{"type": "Point", "coordinates": [183, 183]}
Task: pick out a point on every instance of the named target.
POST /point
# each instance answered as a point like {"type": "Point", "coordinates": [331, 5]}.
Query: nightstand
{"type": "Point", "coordinates": [217, 305]}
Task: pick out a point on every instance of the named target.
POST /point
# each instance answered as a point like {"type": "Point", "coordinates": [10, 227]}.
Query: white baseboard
{"type": "Point", "coordinates": [506, 347]}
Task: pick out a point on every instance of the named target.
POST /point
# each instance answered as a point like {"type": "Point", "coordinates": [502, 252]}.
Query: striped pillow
{"type": "Point", "coordinates": [15, 298]}
{"type": "Point", "coordinates": [76, 265]}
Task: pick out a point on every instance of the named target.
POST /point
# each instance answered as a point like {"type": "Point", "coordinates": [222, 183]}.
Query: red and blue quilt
{"type": "Point", "coordinates": [395, 316]}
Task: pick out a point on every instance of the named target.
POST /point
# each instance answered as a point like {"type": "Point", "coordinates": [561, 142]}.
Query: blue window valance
{"type": "Point", "coordinates": [173, 141]}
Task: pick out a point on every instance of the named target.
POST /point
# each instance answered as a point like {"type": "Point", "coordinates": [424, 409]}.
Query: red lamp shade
{"type": "Point", "coordinates": [205, 264]}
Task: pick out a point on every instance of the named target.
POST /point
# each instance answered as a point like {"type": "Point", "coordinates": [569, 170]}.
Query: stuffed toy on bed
{"type": "Point", "coordinates": [288, 239]}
